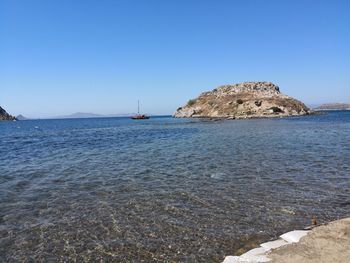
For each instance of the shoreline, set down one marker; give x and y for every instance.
(328, 242)
(251, 117)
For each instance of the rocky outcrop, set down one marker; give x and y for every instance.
(4, 116)
(241, 101)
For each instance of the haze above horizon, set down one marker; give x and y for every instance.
(61, 57)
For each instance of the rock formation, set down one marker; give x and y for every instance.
(4, 116)
(241, 101)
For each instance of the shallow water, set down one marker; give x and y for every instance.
(165, 189)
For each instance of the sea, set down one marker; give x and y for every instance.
(166, 189)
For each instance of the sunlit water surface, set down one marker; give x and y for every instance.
(165, 189)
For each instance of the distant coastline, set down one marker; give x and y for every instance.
(333, 106)
(93, 117)
(82, 115)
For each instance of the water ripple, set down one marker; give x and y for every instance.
(166, 189)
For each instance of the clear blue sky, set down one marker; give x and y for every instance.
(63, 56)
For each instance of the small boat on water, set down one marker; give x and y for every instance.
(139, 116)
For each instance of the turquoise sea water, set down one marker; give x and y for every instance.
(164, 189)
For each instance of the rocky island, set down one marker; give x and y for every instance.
(242, 101)
(4, 116)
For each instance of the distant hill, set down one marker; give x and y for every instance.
(334, 106)
(4, 116)
(79, 115)
(21, 118)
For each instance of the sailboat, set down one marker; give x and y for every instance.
(139, 116)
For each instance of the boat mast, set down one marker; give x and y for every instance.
(138, 107)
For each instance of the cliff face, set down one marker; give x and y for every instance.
(241, 101)
(4, 116)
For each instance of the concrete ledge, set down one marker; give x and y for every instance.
(260, 254)
(274, 244)
(235, 259)
(294, 236)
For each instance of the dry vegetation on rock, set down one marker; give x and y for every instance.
(244, 100)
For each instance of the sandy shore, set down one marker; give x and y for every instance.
(323, 244)
(327, 243)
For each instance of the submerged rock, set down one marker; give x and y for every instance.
(242, 101)
(4, 116)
